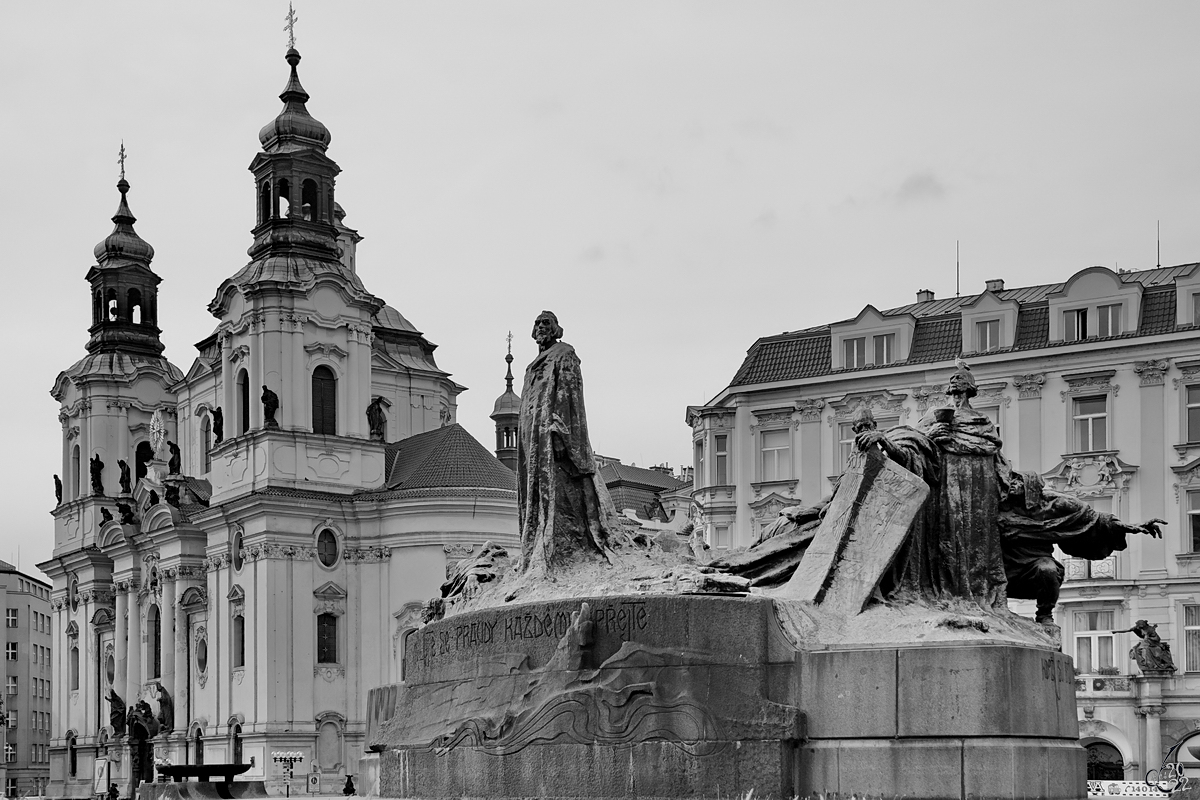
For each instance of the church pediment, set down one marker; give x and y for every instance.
(330, 591)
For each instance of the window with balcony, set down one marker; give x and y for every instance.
(885, 348)
(776, 456)
(1191, 638)
(1093, 641)
(854, 352)
(721, 460)
(987, 336)
(1075, 325)
(1108, 320)
(1091, 424)
(1192, 413)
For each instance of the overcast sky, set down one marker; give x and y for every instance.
(674, 179)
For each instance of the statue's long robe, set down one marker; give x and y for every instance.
(563, 503)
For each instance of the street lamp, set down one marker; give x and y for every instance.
(287, 759)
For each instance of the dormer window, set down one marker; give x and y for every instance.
(987, 336)
(1108, 321)
(1196, 308)
(854, 352)
(1075, 325)
(885, 348)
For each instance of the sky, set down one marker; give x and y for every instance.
(673, 179)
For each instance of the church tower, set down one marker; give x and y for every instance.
(507, 413)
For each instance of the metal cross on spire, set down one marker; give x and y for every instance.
(121, 159)
(510, 343)
(291, 27)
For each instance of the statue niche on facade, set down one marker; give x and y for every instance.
(561, 499)
(1151, 653)
(377, 420)
(126, 486)
(96, 468)
(270, 404)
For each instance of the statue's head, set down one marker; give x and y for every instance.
(863, 420)
(962, 381)
(546, 330)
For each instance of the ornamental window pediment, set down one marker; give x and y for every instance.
(330, 599)
(871, 339)
(701, 418)
(1094, 303)
(882, 404)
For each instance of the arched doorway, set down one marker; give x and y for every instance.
(1104, 762)
(141, 761)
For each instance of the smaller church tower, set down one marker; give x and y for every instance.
(507, 414)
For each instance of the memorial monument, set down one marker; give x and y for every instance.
(861, 647)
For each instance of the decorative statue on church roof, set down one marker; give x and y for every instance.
(377, 420)
(563, 504)
(116, 712)
(58, 490)
(1151, 653)
(166, 708)
(126, 513)
(270, 403)
(126, 487)
(105, 515)
(96, 467)
(175, 462)
(218, 428)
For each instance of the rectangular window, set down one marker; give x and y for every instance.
(1093, 641)
(239, 641)
(700, 482)
(10, 784)
(854, 352)
(1196, 308)
(1193, 520)
(721, 538)
(1075, 325)
(720, 460)
(1091, 424)
(1191, 638)
(10, 618)
(845, 444)
(11, 685)
(1108, 322)
(776, 456)
(12, 718)
(10, 651)
(992, 413)
(885, 348)
(1193, 413)
(987, 336)
(326, 639)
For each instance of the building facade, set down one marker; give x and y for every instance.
(241, 548)
(1093, 382)
(28, 686)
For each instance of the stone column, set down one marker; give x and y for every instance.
(228, 389)
(1149, 707)
(181, 667)
(87, 665)
(166, 624)
(121, 646)
(133, 679)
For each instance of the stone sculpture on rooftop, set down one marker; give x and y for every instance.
(270, 404)
(95, 469)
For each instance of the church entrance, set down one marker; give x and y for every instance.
(1104, 763)
(140, 761)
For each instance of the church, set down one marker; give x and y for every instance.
(240, 548)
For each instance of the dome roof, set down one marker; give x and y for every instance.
(123, 244)
(294, 127)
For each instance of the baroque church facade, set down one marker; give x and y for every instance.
(240, 549)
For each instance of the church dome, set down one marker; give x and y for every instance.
(510, 401)
(123, 243)
(294, 127)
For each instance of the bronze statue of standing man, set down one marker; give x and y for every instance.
(563, 503)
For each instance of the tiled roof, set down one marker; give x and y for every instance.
(936, 340)
(611, 473)
(937, 337)
(447, 456)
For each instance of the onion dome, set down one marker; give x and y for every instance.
(123, 244)
(510, 401)
(294, 127)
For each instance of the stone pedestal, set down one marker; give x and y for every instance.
(704, 697)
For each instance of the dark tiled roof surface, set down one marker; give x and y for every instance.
(448, 456)
(612, 473)
(936, 340)
(806, 353)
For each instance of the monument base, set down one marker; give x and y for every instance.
(706, 696)
(201, 790)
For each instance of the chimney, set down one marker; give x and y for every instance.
(995, 285)
(924, 295)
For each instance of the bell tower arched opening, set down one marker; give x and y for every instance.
(243, 385)
(308, 200)
(264, 202)
(135, 307)
(283, 199)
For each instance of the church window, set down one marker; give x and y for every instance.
(74, 602)
(243, 385)
(235, 735)
(326, 639)
(142, 456)
(110, 303)
(72, 756)
(308, 199)
(73, 667)
(202, 656)
(75, 471)
(327, 548)
(198, 740)
(264, 203)
(206, 442)
(110, 668)
(154, 629)
(237, 550)
(324, 401)
(283, 198)
(135, 306)
(239, 642)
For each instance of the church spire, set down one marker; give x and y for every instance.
(507, 415)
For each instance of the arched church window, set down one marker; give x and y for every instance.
(324, 401)
(198, 739)
(135, 307)
(327, 548)
(308, 199)
(283, 198)
(206, 441)
(110, 305)
(72, 757)
(264, 203)
(142, 456)
(154, 628)
(75, 471)
(235, 735)
(243, 383)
